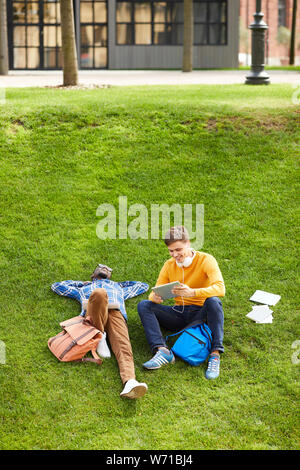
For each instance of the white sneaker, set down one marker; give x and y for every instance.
(102, 348)
(134, 389)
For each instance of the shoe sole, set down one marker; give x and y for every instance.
(136, 392)
(151, 368)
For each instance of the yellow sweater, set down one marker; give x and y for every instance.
(203, 275)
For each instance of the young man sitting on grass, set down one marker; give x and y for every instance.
(197, 299)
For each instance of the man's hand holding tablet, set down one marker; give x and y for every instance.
(173, 289)
(156, 299)
(183, 291)
(164, 292)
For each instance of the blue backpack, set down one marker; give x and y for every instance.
(193, 344)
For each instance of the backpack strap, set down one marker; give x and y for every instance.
(190, 325)
(95, 358)
(74, 342)
(208, 334)
(174, 334)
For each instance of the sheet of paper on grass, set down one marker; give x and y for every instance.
(261, 314)
(265, 298)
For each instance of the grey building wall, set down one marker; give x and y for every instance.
(170, 57)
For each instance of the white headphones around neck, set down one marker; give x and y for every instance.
(187, 261)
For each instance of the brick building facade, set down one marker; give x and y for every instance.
(278, 16)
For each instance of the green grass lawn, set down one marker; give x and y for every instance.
(289, 68)
(234, 149)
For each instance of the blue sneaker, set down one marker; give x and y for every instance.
(213, 367)
(160, 359)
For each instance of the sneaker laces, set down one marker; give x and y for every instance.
(213, 363)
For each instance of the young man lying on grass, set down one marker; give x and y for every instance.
(197, 299)
(103, 300)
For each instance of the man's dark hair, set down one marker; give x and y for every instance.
(100, 272)
(177, 233)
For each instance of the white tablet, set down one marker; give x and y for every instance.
(165, 290)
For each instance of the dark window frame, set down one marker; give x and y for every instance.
(282, 13)
(41, 24)
(94, 24)
(207, 23)
(56, 24)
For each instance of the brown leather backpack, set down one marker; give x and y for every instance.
(78, 337)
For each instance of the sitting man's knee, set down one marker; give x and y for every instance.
(213, 302)
(142, 305)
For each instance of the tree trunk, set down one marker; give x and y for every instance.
(3, 39)
(293, 34)
(188, 36)
(70, 68)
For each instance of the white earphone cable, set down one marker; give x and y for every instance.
(173, 308)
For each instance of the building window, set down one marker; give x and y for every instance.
(155, 22)
(36, 34)
(281, 13)
(26, 34)
(52, 55)
(93, 34)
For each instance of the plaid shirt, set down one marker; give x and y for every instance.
(116, 291)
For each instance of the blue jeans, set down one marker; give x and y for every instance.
(154, 316)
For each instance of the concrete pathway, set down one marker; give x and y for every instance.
(141, 77)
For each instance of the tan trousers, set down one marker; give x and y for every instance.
(113, 322)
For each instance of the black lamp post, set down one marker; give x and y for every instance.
(258, 75)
